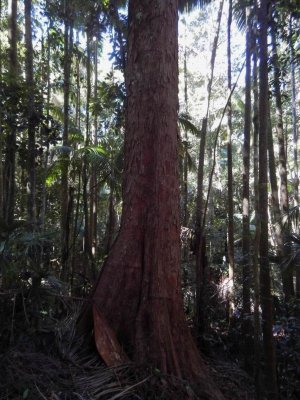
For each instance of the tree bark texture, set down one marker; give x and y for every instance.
(265, 282)
(139, 287)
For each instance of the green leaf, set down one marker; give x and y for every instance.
(187, 125)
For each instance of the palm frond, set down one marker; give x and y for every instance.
(292, 219)
(191, 163)
(189, 5)
(239, 13)
(187, 125)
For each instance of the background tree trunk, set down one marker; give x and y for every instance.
(230, 226)
(31, 204)
(257, 330)
(247, 350)
(65, 200)
(1, 134)
(93, 181)
(265, 283)
(200, 216)
(287, 274)
(10, 154)
(294, 116)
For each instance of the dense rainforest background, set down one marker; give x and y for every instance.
(149, 199)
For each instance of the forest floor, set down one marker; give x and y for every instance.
(44, 359)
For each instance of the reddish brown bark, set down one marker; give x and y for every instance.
(138, 290)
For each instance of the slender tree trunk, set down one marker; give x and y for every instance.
(10, 154)
(31, 203)
(85, 170)
(199, 223)
(230, 226)
(287, 275)
(274, 190)
(93, 182)
(65, 220)
(247, 328)
(256, 283)
(1, 133)
(185, 159)
(138, 290)
(46, 154)
(294, 115)
(265, 282)
(284, 200)
(295, 140)
(75, 234)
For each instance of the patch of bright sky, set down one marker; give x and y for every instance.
(196, 35)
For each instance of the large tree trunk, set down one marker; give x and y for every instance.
(139, 290)
(265, 282)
